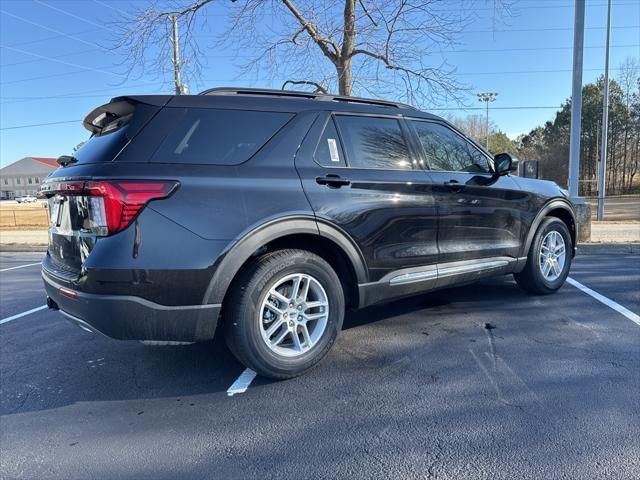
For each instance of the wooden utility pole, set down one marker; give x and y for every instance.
(176, 56)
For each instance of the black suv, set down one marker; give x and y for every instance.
(269, 213)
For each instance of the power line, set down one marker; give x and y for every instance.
(41, 77)
(72, 37)
(82, 94)
(72, 15)
(548, 29)
(69, 64)
(39, 124)
(105, 5)
(71, 54)
(53, 37)
(529, 107)
(527, 49)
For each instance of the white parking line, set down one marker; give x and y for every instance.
(20, 266)
(608, 302)
(242, 382)
(15, 317)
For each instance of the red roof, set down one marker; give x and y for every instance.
(47, 161)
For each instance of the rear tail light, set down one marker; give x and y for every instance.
(112, 205)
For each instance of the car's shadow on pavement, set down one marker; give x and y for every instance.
(65, 365)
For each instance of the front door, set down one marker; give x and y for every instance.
(479, 213)
(361, 174)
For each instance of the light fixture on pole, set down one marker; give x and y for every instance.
(487, 97)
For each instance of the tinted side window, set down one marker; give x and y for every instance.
(374, 142)
(217, 137)
(329, 151)
(446, 150)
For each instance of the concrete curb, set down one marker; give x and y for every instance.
(19, 247)
(602, 248)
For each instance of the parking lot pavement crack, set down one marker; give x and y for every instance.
(505, 382)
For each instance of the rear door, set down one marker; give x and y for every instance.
(480, 215)
(362, 174)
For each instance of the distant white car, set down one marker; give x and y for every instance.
(26, 199)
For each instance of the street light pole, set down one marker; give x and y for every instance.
(487, 97)
(602, 168)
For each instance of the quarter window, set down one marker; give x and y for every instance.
(216, 137)
(446, 150)
(329, 152)
(374, 143)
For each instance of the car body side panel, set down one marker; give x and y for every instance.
(222, 202)
(480, 216)
(389, 214)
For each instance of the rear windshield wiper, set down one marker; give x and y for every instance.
(65, 160)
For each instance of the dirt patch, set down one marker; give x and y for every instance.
(19, 217)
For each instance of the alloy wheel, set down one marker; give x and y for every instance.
(552, 256)
(293, 315)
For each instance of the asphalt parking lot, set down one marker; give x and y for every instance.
(482, 381)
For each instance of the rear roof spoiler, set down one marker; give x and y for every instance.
(119, 108)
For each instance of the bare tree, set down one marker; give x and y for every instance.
(146, 37)
(377, 47)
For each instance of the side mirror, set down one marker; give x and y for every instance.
(503, 164)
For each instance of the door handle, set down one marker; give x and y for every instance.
(333, 181)
(454, 185)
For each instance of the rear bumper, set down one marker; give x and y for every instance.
(133, 318)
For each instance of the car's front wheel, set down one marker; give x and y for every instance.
(284, 313)
(549, 258)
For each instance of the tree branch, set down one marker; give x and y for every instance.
(322, 42)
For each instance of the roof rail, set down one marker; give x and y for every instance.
(308, 95)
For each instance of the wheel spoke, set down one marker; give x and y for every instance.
(278, 340)
(295, 288)
(305, 334)
(274, 327)
(314, 316)
(296, 341)
(317, 304)
(273, 308)
(547, 268)
(278, 296)
(556, 268)
(305, 289)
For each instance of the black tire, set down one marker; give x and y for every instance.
(243, 321)
(531, 278)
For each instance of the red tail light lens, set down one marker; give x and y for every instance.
(112, 205)
(123, 200)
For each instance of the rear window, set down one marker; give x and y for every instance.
(121, 124)
(216, 137)
(102, 148)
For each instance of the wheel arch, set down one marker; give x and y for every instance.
(557, 208)
(303, 232)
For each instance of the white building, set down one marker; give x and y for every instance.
(25, 176)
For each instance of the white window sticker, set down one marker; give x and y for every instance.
(333, 149)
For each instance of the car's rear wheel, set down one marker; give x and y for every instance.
(284, 313)
(549, 258)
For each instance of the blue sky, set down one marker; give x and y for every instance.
(528, 62)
